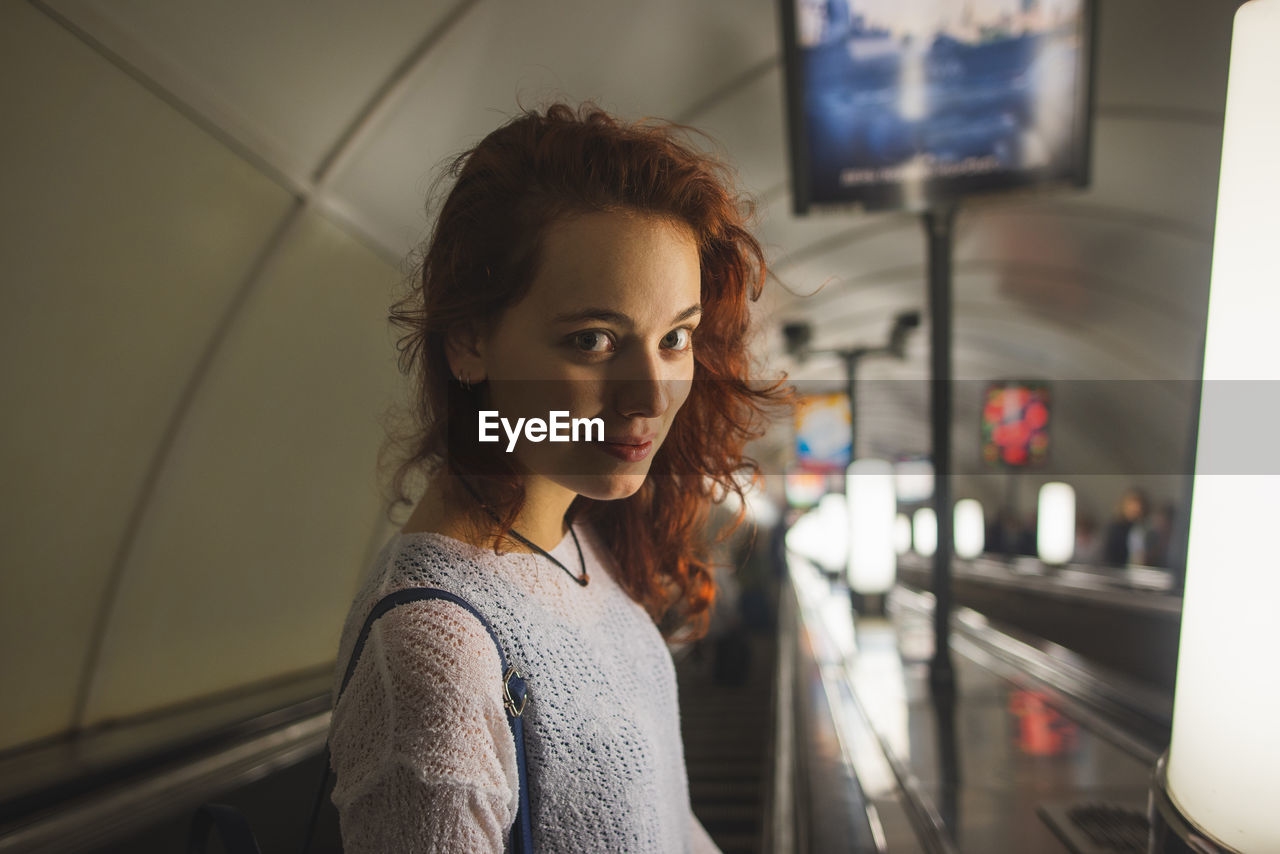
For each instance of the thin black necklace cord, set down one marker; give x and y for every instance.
(582, 581)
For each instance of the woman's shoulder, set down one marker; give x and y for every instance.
(422, 653)
(435, 640)
(407, 561)
(425, 695)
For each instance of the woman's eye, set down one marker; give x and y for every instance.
(592, 342)
(679, 339)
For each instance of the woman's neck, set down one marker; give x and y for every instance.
(542, 519)
(448, 508)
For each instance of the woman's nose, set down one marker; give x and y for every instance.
(646, 387)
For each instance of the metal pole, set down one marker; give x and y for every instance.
(938, 229)
(851, 359)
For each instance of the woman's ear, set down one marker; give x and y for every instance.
(464, 345)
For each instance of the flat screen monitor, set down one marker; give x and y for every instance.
(908, 104)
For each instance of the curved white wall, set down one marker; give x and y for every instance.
(128, 231)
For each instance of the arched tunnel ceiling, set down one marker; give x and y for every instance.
(275, 158)
(1108, 283)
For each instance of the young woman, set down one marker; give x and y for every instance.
(602, 270)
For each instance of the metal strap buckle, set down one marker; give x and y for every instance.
(507, 699)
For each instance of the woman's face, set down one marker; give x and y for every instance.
(605, 332)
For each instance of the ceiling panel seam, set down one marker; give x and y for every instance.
(90, 675)
(386, 96)
(1026, 271)
(307, 195)
(1152, 222)
(1141, 301)
(870, 227)
(87, 679)
(1107, 345)
(1069, 207)
(1114, 351)
(308, 188)
(769, 195)
(742, 81)
(170, 96)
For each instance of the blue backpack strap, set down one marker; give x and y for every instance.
(514, 696)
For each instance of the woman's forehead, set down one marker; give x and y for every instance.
(608, 236)
(617, 256)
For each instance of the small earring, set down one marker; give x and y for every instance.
(465, 379)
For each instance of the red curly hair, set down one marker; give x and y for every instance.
(482, 257)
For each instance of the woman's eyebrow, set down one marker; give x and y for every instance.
(696, 308)
(610, 316)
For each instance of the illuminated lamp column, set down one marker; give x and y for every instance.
(873, 503)
(971, 532)
(913, 480)
(821, 535)
(924, 531)
(832, 518)
(832, 528)
(1056, 523)
(1218, 788)
(902, 534)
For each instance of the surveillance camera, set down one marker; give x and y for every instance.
(902, 324)
(907, 320)
(797, 337)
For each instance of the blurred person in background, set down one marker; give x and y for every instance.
(1088, 549)
(1026, 537)
(1158, 535)
(1126, 534)
(1002, 534)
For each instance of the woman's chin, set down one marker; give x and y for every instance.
(608, 487)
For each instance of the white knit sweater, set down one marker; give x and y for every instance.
(424, 757)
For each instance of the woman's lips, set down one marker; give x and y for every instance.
(625, 452)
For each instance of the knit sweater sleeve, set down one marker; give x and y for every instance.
(420, 744)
